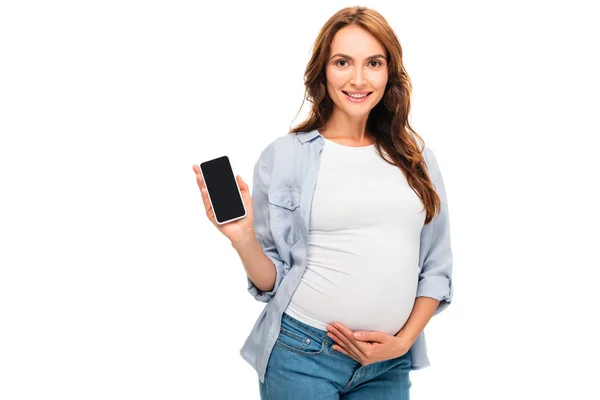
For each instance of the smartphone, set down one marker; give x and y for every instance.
(223, 191)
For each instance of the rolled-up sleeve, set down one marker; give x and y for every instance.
(262, 229)
(435, 277)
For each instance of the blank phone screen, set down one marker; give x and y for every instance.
(222, 189)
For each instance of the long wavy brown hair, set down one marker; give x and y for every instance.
(388, 120)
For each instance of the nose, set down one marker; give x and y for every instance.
(358, 78)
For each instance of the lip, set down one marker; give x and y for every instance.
(353, 100)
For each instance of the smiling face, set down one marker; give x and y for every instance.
(356, 71)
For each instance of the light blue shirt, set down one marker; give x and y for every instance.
(284, 181)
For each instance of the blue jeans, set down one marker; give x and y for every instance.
(303, 365)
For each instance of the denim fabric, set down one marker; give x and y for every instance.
(284, 181)
(303, 365)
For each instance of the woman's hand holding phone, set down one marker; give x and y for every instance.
(236, 231)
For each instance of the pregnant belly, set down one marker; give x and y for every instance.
(373, 303)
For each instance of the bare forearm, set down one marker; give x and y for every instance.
(259, 268)
(422, 312)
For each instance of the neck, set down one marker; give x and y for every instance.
(349, 128)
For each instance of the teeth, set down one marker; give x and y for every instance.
(357, 96)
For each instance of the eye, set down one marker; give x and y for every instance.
(339, 61)
(378, 63)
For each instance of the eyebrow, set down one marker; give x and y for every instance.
(350, 58)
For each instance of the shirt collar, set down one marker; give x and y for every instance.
(308, 136)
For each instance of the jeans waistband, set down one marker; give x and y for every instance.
(310, 330)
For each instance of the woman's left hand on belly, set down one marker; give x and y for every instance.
(369, 347)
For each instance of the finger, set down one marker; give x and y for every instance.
(370, 336)
(340, 343)
(243, 187)
(211, 216)
(205, 199)
(348, 336)
(207, 205)
(196, 169)
(347, 343)
(338, 348)
(241, 183)
(204, 194)
(200, 180)
(245, 192)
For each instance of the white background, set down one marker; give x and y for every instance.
(114, 284)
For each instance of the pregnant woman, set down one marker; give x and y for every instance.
(347, 236)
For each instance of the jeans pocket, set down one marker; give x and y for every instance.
(293, 338)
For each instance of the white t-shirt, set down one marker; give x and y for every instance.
(363, 249)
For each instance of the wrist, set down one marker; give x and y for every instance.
(244, 242)
(402, 346)
(405, 339)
